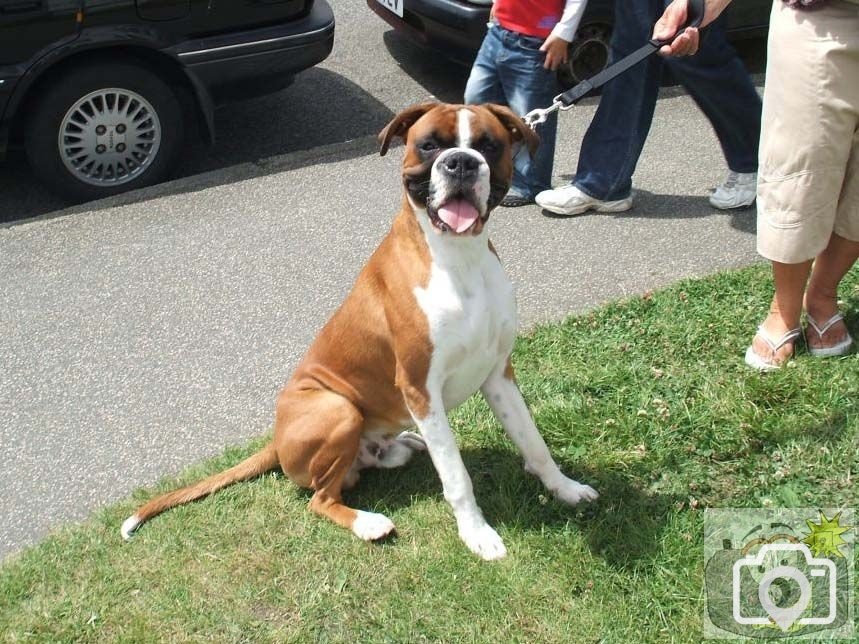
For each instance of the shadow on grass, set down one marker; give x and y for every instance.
(851, 313)
(623, 527)
(833, 429)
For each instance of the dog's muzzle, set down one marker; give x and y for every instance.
(459, 168)
(459, 189)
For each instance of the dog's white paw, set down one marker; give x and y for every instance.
(484, 542)
(370, 526)
(572, 492)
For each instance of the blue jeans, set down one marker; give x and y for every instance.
(509, 71)
(715, 78)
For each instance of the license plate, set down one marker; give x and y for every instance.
(393, 5)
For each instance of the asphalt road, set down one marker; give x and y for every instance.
(143, 333)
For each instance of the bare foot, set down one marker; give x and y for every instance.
(776, 329)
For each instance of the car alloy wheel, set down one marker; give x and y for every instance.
(109, 137)
(105, 126)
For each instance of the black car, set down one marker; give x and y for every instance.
(455, 28)
(102, 93)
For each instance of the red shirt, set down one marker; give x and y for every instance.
(529, 17)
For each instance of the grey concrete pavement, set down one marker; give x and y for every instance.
(143, 333)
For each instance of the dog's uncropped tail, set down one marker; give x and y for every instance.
(260, 463)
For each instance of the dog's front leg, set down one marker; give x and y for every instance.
(503, 395)
(477, 534)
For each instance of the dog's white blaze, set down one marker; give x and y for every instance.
(463, 127)
(442, 189)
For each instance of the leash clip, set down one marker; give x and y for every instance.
(535, 117)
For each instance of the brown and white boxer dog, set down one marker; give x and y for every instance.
(431, 319)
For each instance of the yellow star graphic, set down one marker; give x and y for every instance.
(825, 537)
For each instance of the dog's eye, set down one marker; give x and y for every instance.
(486, 146)
(428, 146)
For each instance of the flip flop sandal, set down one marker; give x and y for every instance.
(757, 362)
(839, 349)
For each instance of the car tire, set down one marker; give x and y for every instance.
(588, 54)
(102, 129)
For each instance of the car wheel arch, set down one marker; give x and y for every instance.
(194, 95)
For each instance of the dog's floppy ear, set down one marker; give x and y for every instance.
(401, 124)
(516, 126)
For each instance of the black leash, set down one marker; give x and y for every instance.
(566, 100)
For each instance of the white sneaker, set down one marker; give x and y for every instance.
(738, 191)
(569, 200)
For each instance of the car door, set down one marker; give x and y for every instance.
(158, 10)
(28, 27)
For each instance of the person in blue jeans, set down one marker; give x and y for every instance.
(526, 41)
(717, 81)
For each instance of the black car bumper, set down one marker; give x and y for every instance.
(451, 26)
(266, 57)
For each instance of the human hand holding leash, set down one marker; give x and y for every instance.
(686, 42)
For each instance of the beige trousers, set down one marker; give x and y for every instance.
(808, 176)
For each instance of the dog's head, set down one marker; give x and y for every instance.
(459, 160)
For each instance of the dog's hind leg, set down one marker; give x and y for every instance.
(318, 435)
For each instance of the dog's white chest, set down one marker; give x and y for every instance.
(471, 311)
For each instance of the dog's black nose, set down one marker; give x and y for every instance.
(461, 165)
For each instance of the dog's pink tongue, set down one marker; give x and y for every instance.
(458, 214)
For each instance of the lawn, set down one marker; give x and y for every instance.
(646, 399)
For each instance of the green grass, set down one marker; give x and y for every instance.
(646, 399)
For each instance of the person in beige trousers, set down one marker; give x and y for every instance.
(808, 175)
